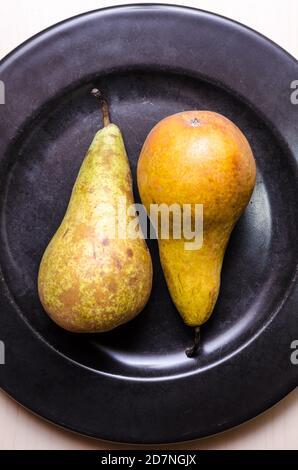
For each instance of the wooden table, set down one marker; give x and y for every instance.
(275, 429)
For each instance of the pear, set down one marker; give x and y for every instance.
(88, 281)
(197, 157)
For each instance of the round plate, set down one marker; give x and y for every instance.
(135, 384)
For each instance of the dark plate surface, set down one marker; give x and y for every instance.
(136, 384)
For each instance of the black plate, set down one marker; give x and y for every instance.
(136, 384)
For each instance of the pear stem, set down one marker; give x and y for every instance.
(192, 351)
(103, 105)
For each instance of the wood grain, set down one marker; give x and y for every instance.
(275, 429)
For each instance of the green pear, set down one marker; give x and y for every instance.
(89, 281)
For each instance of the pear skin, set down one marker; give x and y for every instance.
(197, 157)
(89, 283)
